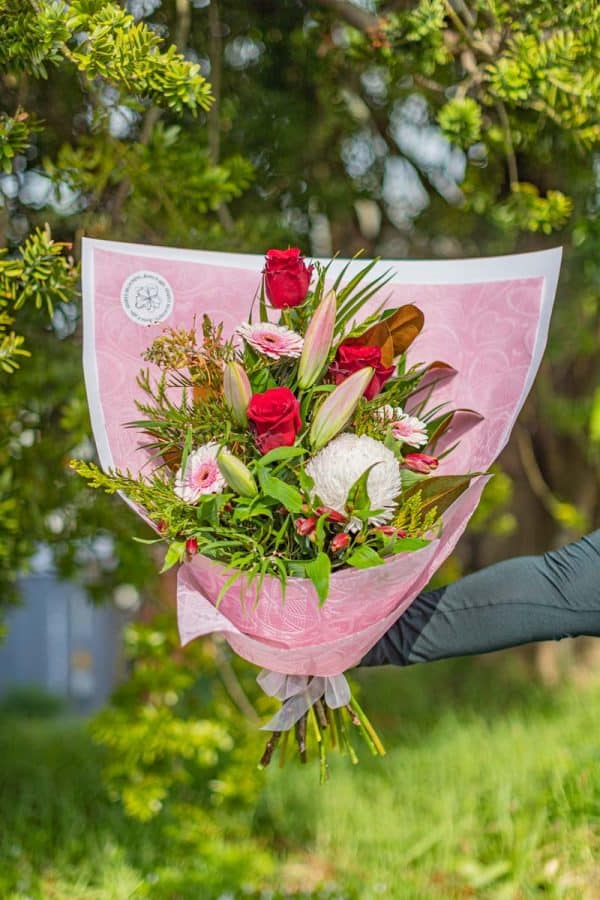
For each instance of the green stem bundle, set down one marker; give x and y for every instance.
(324, 728)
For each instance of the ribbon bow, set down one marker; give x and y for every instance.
(298, 693)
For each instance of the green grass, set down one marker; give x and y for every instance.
(490, 789)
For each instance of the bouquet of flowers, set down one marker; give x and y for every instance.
(298, 466)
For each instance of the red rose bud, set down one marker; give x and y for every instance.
(274, 418)
(420, 462)
(305, 526)
(332, 514)
(339, 542)
(287, 277)
(191, 546)
(352, 356)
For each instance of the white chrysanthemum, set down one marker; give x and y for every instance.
(202, 474)
(405, 428)
(338, 466)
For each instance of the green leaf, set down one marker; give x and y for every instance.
(174, 555)
(286, 494)
(406, 545)
(439, 492)
(281, 453)
(363, 557)
(319, 572)
(358, 501)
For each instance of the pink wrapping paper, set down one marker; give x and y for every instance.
(487, 318)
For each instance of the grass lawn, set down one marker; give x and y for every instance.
(490, 789)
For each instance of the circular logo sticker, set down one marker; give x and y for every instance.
(147, 298)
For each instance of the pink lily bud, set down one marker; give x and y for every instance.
(237, 391)
(305, 526)
(338, 406)
(339, 542)
(317, 342)
(420, 462)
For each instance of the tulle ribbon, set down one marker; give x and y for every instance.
(298, 693)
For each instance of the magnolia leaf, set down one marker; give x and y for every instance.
(403, 325)
(461, 421)
(434, 374)
(440, 492)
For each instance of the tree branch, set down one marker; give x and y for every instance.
(214, 123)
(182, 32)
(353, 15)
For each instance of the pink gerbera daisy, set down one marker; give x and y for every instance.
(271, 340)
(408, 429)
(201, 476)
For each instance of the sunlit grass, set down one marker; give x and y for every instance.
(490, 789)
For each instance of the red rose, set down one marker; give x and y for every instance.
(287, 277)
(421, 462)
(274, 418)
(352, 356)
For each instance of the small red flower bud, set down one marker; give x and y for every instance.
(420, 462)
(191, 546)
(305, 526)
(401, 534)
(388, 530)
(339, 542)
(161, 526)
(332, 514)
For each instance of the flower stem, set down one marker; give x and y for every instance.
(314, 724)
(301, 738)
(346, 740)
(356, 707)
(283, 748)
(270, 747)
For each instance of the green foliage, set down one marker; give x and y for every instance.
(527, 209)
(460, 120)
(15, 136)
(514, 814)
(103, 41)
(172, 732)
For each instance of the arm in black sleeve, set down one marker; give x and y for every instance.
(530, 598)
